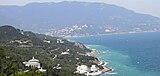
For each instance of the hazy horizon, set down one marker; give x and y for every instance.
(140, 6)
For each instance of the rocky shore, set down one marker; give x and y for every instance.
(101, 63)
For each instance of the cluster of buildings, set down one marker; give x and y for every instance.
(84, 69)
(23, 42)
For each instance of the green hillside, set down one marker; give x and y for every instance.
(17, 46)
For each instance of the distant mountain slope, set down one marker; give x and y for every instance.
(60, 18)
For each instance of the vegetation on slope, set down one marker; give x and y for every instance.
(17, 46)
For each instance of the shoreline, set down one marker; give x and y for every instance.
(119, 61)
(121, 33)
(102, 63)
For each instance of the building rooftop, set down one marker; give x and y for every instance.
(33, 60)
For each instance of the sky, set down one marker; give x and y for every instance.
(151, 7)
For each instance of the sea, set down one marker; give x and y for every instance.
(132, 54)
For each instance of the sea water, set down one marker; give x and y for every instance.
(136, 54)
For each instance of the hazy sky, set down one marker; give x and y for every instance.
(143, 6)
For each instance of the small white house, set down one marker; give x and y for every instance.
(47, 41)
(60, 41)
(65, 53)
(42, 70)
(68, 50)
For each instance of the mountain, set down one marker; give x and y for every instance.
(78, 18)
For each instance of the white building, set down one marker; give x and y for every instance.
(42, 70)
(47, 41)
(65, 53)
(68, 50)
(82, 69)
(33, 63)
(94, 68)
(60, 41)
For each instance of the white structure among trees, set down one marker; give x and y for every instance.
(89, 71)
(34, 63)
(82, 69)
(94, 68)
(60, 41)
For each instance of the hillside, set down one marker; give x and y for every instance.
(17, 46)
(78, 18)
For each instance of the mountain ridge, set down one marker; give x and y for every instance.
(54, 17)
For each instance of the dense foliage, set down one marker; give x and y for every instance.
(18, 47)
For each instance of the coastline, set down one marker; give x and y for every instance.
(121, 33)
(106, 69)
(121, 62)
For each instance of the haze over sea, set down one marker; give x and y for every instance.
(136, 54)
